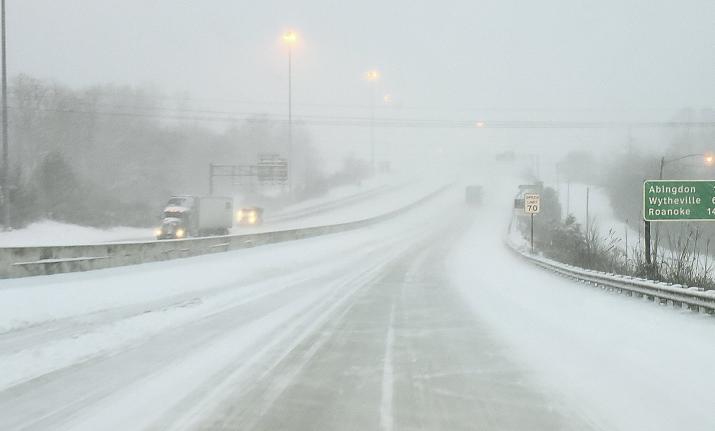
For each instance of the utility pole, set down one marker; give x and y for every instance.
(625, 229)
(587, 220)
(290, 120)
(5, 161)
(211, 179)
(558, 190)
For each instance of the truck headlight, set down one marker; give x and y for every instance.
(239, 215)
(157, 231)
(180, 233)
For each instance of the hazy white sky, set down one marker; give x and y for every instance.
(450, 59)
(453, 54)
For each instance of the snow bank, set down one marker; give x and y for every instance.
(347, 191)
(386, 198)
(600, 211)
(48, 232)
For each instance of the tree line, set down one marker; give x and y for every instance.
(110, 155)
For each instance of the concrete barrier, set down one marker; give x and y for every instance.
(30, 261)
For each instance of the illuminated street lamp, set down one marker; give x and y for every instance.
(707, 158)
(372, 77)
(290, 38)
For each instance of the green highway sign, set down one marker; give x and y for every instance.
(667, 200)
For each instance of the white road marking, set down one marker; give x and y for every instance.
(386, 418)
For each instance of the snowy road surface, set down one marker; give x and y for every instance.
(422, 322)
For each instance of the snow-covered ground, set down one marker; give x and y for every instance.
(49, 232)
(138, 326)
(600, 213)
(382, 201)
(344, 203)
(349, 190)
(625, 364)
(423, 321)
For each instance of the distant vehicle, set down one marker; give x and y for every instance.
(195, 216)
(249, 216)
(473, 195)
(506, 156)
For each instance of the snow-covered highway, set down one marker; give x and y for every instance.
(424, 321)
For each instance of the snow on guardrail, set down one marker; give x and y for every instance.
(44, 260)
(665, 293)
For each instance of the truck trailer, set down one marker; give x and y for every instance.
(186, 216)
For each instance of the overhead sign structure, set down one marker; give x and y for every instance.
(668, 200)
(532, 203)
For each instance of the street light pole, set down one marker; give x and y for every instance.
(290, 39)
(5, 162)
(372, 77)
(290, 120)
(372, 130)
(657, 227)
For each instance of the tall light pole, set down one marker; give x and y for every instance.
(290, 38)
(372, 77)
(5, 163)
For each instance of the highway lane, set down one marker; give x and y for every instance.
(364, 204)
(405, 354)
(373, 338)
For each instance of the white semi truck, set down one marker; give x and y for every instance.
(186, 216)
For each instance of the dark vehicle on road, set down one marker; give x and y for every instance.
(473, 195)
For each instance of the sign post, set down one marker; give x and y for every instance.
(532, 205)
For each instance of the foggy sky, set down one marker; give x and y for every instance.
(640, 59)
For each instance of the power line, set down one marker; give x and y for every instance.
(396, 107)
(357, 121)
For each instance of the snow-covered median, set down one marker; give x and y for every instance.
(48, 232)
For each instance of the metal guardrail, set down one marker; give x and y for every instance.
(693, 298)
(30, 261)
